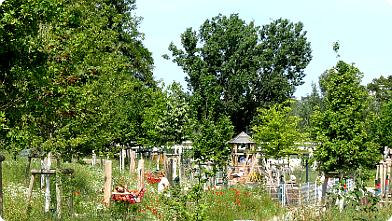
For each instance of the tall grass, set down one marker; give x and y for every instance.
(86, 190)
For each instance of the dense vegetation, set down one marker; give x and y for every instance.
(76, 77)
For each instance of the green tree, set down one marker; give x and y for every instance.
(277, 133)
(381, 88)
(341, 131)
(212, 131)
(304, 108)
(383, 127)
(81, 61)
(252, 66)
(23, 74)
(175, 124)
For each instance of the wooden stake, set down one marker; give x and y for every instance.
(27, 168)
(47, 178)
(58, 191)
(2, 158)
(133, 164)
(169, 171)
(30, 188)
(140, 172)
(70, 195)
(108, 182)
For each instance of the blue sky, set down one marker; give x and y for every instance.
(363, 28)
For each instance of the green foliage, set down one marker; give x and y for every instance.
(383, 127)
(210, 141)
(71, 64)
(380, 88)
(175, 123)
(247, 66)
(304, 108)
(341, 131)
(277, 132)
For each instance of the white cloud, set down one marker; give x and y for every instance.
(390, 1)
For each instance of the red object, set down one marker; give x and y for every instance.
(151, 178)
(128, 198)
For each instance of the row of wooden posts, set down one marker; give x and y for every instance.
(383, 179)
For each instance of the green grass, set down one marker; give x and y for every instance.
(222, 203)
(86, 189)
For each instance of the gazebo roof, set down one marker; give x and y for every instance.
(241, 138)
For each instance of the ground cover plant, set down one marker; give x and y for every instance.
(219, 203)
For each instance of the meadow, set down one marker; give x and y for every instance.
(237, 202)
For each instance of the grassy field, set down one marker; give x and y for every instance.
(216, 203)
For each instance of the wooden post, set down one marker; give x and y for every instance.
(388, 185)
(42, 176)
(58, 191)
(30, 188)
(123, 155)
(94, 157)
(376, 181)
(192, 174)
(235, 159)
(174, 167)
(382, 180)
(268, 171)
(169, 170)
(2, 158)
(70, 194)
(389, 176)
(27, 168)
(133, 164)
(158, 157)
(101, 161)
(140, 172)
(107, 194)
(179, 161)
(164, 160)
(120, 159)
(48, 172)
(151, 159)
(47, 178)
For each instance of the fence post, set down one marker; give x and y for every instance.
(133, 164)
(169, 170)
(94, 156)
(108, 181)
(2, 158)
(140, 172)
(47, 178)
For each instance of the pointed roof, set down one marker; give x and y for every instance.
(241, 138)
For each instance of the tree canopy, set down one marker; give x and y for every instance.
(251, 67)
(341, 131)
(277, 133)
(74, 65)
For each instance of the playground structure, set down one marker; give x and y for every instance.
(383, 176)
(244, 157)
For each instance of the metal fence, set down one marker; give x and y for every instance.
(309, 193)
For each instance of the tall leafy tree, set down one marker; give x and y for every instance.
(277, 134)
(383, 128)
(175, 124)
(251, 66)
(212, 131)
(82, 61)
(304, 108)
(341, 131)
(23, 74)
